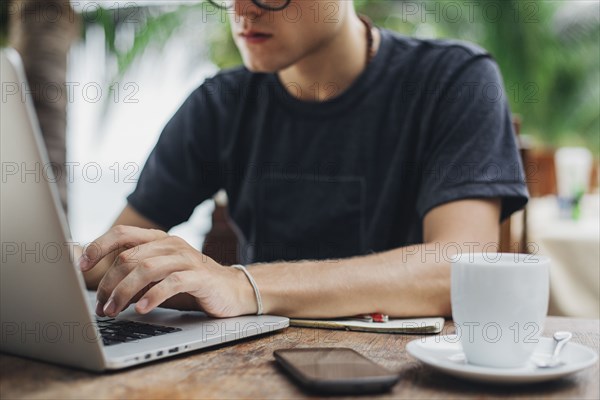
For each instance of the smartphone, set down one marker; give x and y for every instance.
(335, 370)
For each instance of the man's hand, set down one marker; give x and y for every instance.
(151, 267)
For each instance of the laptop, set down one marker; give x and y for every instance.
(46, 313)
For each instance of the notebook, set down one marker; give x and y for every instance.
(394, 325)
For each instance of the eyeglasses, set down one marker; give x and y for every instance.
(271, 5)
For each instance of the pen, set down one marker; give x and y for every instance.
(378, 317)
(373, 317)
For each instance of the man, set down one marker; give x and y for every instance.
(356, 161)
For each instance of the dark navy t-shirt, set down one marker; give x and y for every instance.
(425, 124)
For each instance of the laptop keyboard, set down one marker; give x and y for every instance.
(119, 331)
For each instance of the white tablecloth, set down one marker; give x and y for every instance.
(574, 247)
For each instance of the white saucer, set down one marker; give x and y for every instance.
(445, 354)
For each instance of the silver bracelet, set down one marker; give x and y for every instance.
(254, 286)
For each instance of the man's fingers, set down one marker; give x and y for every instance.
(176, 282)
(129, 260)
(144, 274)
(155, 248)
(109, 281)
(126, 261)
(118, 237)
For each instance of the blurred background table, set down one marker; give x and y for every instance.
(574, 247)
(247, 369)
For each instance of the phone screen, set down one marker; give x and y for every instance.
(332, 364)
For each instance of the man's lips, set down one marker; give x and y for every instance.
(255, 36)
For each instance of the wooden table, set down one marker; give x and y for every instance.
(247, 369)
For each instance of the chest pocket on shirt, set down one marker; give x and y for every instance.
(304, 218)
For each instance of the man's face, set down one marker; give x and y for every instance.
(273, 40)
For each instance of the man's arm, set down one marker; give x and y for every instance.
(408, 281)
(129, 217)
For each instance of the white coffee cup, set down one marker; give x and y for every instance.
(499, 304)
